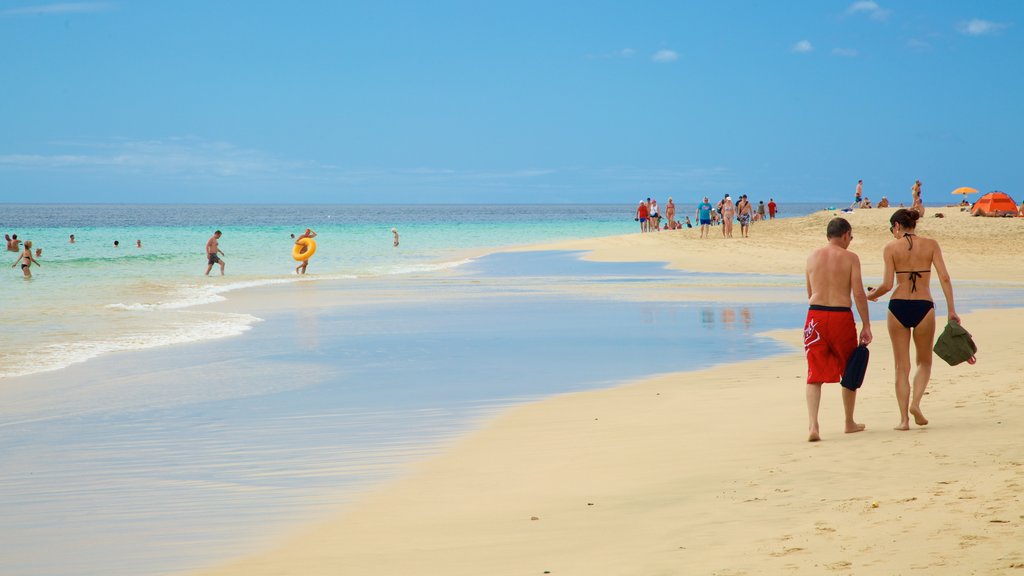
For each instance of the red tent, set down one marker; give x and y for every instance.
(995, 204)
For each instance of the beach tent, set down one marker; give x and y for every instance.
(994, 204)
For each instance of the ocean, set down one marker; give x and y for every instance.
(90, 298)
(194, 447)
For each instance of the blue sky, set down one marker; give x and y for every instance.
(519, 102)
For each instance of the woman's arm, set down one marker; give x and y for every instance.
(888, 275)
(945, 282)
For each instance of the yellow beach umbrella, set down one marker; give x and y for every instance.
(965, 190)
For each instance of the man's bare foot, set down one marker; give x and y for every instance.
(919, 418)
(851, 428)
(904, 426)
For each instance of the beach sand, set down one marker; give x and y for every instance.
(709, 472)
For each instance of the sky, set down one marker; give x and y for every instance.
(569, 102)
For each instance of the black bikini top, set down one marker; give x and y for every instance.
(914, 274)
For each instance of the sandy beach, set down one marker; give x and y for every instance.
(708, 472)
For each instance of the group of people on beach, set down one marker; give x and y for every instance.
(862, 201)
(724, 213)
(833, 274)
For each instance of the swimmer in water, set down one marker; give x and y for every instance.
(26, 260)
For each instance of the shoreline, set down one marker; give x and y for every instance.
(663, 474)
(656, 476)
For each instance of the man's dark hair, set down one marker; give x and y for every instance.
(837, 227)
(217, 232)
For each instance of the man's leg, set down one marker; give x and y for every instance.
(813, 402)
(849, 400)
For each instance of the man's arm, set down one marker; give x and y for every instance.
(860, 300)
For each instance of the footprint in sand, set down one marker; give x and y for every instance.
(841, 565)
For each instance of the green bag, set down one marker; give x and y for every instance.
(955, 345)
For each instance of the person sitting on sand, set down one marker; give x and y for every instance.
(26, 260)
(883, 203)
(830, 334)
(909, 258)
(866, 203)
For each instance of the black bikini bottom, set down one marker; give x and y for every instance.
(910, 312)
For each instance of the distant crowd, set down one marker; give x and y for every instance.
(723, 214)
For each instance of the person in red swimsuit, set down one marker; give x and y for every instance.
(830, 334)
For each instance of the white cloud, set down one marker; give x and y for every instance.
(870, 8)
(65, 8)
(847, 52)
(186, 158)
(918, 44)
(979, 27)
(802, 46)
(665, 56)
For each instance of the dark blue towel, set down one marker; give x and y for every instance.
(856, 367)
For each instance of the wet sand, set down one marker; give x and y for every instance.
(709, 472)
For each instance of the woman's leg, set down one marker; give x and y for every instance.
(900, 337)
(924, 339)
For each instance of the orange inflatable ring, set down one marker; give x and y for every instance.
(304, 248)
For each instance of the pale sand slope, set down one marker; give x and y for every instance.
(709, 473)
(974, 248)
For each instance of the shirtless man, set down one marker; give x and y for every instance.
(830, 334)
(745, 212)
(301, 268)
(212, 250)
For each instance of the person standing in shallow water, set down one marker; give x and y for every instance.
(908, 258)
(830, 334)
(212, 251)
(26, 260)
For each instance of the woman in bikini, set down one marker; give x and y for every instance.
(26, 260)
(909, 259)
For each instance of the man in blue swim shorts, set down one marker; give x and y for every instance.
(704, 217)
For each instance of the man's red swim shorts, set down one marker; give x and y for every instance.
(830, 336)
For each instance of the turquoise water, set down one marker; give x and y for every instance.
(90, 298)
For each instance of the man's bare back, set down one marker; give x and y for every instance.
(830, 276)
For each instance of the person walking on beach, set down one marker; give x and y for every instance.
(641, 216)
(917, 204)
(859, 195)
(908, 258)
(301, 268)
(26, 260)
(830, 333)
(704, 217)
(745, 212)
(728, 213)
(395, 233)
(654, 221)
(212, 251)
(772, 208)
(670, 212)
(760, 210)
